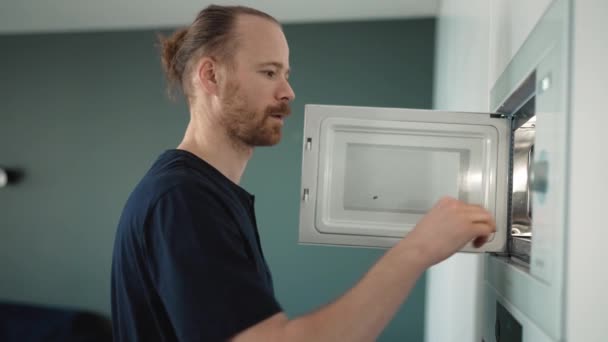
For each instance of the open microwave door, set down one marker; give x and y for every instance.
(370, 174)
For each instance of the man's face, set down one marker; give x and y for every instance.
(256, 94)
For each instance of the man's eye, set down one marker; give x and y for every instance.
(269, 73)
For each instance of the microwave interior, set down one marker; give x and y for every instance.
(519, 109)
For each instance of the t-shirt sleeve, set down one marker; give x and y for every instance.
(207, 283)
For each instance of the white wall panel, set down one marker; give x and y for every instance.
(587, 275)
(455, 287)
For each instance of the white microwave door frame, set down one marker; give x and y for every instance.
(326, 214)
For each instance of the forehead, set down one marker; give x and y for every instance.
(260, 40)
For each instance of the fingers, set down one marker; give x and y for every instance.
(483, 232)
(480, 241)
(477, 222)
(483, 224)
(478, 214)
(447, 201)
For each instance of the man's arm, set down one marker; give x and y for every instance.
(364, 311)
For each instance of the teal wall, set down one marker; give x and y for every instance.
(85, 114)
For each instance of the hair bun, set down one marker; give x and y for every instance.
(169, 48)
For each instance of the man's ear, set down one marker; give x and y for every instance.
(207, 75)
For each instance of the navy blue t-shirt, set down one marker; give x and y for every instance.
(187, 263)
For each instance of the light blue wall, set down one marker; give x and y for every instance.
(85, 114)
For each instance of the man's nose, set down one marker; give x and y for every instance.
(286, 93)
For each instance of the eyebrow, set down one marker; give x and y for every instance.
(275, 64)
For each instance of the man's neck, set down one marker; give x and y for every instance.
(214, 146)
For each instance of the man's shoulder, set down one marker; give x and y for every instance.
(177, 187)
(168, 186)
(162, 183)
(177, 172)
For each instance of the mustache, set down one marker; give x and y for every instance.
(282, 108)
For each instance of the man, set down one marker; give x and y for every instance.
(188, 265)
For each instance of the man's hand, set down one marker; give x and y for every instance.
(448, 227)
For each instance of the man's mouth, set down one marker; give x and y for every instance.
(279, 111)
(277, 117)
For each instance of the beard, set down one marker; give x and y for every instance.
(246, 125)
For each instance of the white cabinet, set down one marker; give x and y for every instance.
(370, 174)
(562, 295)
(511, 22)
(537, 291)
